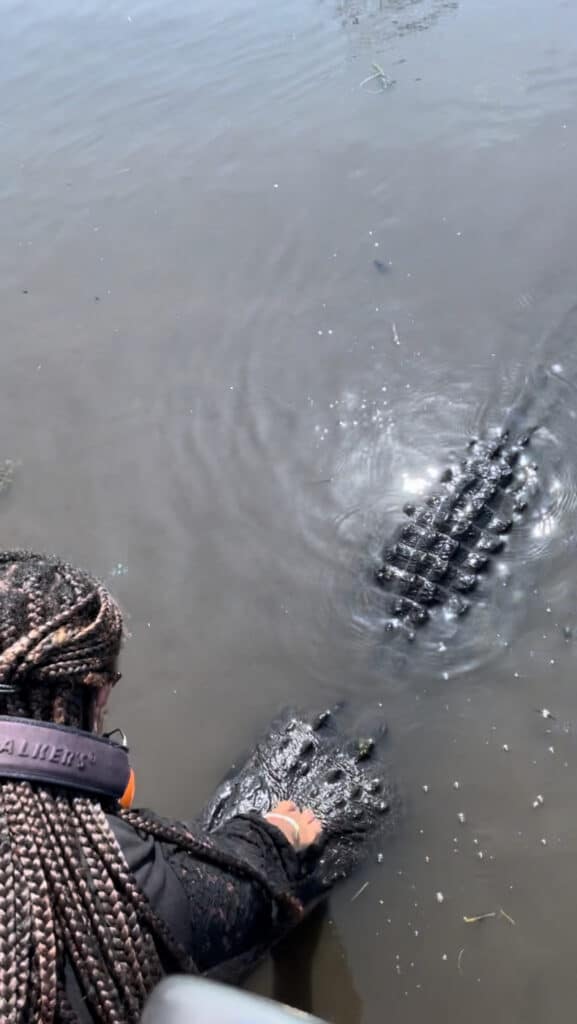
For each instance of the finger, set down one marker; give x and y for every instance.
(286, 807)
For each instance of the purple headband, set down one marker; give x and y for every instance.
(62, 756)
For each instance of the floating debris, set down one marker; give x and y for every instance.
(439, 897)
(456, 785)
(506, 748)
(360, 891)
(459, 959)
(545, 713)
(384, 80)
(479, 917)
(425, 788)
(6, 474)
(538, 801)
(503, 913)
(493, 913)
(461, 817)
(119, 570)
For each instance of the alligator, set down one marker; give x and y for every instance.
(436, 557)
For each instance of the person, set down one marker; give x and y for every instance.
(98, 901)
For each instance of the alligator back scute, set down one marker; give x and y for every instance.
(436, 558)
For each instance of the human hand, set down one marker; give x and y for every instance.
(301, 828)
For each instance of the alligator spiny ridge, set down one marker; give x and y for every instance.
(436, 558)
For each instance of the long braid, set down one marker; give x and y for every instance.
(66, 1014)
(118, 914)
(67, 897)
(84, 942)
(9, 984)
(126, 884)
(43, 935)
(114, 968)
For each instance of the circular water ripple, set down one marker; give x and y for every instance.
(315, 488)
(400, 456)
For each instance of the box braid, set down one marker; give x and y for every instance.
(66, 893)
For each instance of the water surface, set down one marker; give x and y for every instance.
(215, 398)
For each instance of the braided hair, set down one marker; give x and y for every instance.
(67, 897)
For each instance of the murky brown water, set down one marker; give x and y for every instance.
(205, 398)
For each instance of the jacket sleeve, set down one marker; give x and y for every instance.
(224, 919)
(234, 918)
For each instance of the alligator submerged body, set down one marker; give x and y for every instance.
(436, 558)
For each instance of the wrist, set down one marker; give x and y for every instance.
(286, 825)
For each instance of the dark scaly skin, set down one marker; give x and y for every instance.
(438, 556)
(309, 760)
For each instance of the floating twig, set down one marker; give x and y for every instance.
(459, 958)
(493, 913)
(507, 917)
(378, 75)
(360, 891)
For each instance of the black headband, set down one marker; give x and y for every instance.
(58, 754)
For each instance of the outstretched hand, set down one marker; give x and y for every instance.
(301, 828)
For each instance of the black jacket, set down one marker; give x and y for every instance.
(217, 917)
